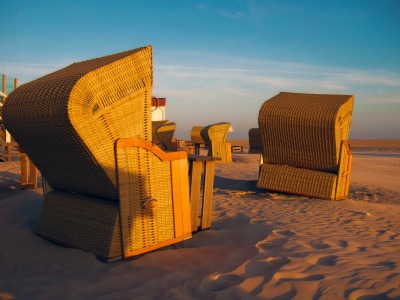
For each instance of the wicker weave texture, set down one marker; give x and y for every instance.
(76, 114)
(255, 142)
(297, 181)
(214, 136)
(143, 176)
(305, 130)
(88, 223)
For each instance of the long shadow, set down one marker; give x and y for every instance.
(236, 184)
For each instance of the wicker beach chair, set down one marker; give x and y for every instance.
(196, 139)
(305, 149)
(154, 126)
(107, 188)
(255, 142)
(195, 135)
(215, 137)
(165, 136)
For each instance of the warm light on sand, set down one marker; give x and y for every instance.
(262, 245)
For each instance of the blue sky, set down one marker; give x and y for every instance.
(219, 60)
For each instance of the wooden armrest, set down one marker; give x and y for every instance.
(166, 156)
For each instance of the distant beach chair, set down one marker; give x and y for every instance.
(214, 136)
(107, 188)
(154, 126)
(255, 142)
(305, 149)
(196, 138)
(164, 134)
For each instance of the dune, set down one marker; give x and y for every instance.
(262, 244)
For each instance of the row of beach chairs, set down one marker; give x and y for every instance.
(113, 182)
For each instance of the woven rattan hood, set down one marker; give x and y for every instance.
(75, 115)
(305, 130)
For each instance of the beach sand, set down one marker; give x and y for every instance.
(262, 245)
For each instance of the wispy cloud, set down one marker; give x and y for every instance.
(279, 76)
(26, 72)
(227, 13)
(231, 15)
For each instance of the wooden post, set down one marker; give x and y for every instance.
(4, 87)
(228, 151)
(29, 176)
(4, 84)
(195, 185)
(208, 194)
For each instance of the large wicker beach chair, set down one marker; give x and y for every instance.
(214, 136)
(108, 189)
(305, 149)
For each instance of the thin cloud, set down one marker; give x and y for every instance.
(230, 15)
(285, 70)
(282, 76)
(28, 71)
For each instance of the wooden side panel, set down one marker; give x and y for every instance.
(228, 151)
(180, 192)
(208, 194)
(195, 183)
(345, 162)
(24, 169)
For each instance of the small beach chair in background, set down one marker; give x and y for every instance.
(214, 136)
(154, 126)
(107, 188)
(255, 142)
(305, 144)
(164, 135)
(196, 139)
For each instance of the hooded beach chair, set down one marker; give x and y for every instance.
(196, 139)
(164, 135)
(214, 136)
(107, 188)
(255, 140)
(154, 126)
(304, 144)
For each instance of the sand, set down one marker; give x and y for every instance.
(262, 245)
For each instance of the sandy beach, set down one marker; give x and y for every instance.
(262, 245)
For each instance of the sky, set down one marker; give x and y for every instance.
(220, 60)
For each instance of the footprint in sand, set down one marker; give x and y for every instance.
(219, 282)
(388, 265)
(369, 294)
(260, 267)
(277, 239)
(327, 260)
(292, 276)
(284, 232)
(270, 243)
(322, 260)
(318, 245)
